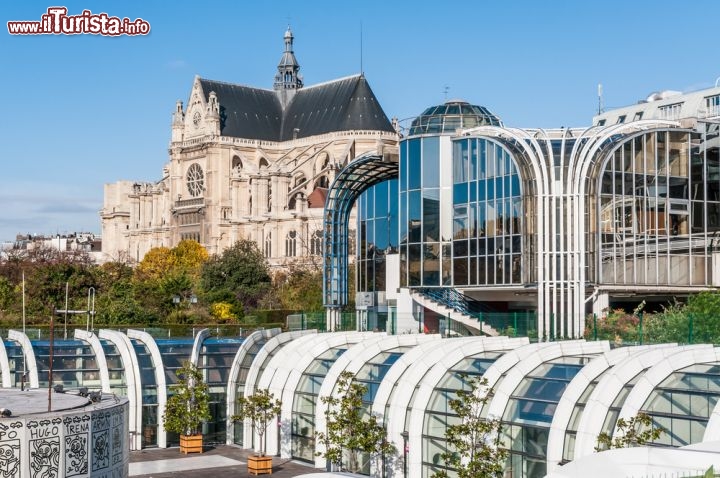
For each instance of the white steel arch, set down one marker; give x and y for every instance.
(134, 383)
(583, 158)
(160, 380)
(608, 388)
(266, 354)
(4, 365)
(520, 350)
(256, 337)
(659, 372)
(28, 356)
(528, 145)
(284, 371)
(259, 363)
(428, 359)
(505, 388)
(577, 386)
(94, 342)
(352, 361)
(197, 345)
(712, 430)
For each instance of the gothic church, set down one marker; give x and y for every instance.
(249, 163)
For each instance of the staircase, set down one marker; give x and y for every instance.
(458, 307)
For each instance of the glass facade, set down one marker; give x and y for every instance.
(682, 403)
(529, 413)
(371, 375)
(659, 205)
(425, 229)
(305, 402)
(439, 414)
(149, 393)
(487, 216)
(572, 427)
(215, 361)
(174, 352)
(426, 177)
(247, 361)
(377, 234)
(74, 364)
(16, 360)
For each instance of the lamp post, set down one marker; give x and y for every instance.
(405, 435)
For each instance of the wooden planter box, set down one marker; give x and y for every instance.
(191, 444)
(260, 465)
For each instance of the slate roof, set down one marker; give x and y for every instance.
(339, 105)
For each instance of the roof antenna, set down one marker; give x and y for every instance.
(600, 102)
(445, 91)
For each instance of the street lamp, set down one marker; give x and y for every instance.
(405, 435)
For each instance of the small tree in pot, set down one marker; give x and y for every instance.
(260, 408)
(188, 407)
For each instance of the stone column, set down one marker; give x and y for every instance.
(262, 196)
(255, 192)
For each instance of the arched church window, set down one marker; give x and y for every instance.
(237, 164)
(291, 244)
(268, 245)
(316, 243)
(292, 204)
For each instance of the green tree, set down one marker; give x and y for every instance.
(474, 444)
(8, 296)
(350, 427)
(300, 289)
(704, 311)
(166, 274)
(240, 275)
(260, 408)
(188, 406)
(635, 431)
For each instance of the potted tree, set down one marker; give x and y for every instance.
(187, 408)
(260, 408)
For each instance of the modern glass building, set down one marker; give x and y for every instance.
(553, 223)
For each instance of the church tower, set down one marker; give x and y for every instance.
(288, 78)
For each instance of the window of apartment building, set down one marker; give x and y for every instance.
(712, 104)
(670, 112)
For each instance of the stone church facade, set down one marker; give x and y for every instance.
(249, 163)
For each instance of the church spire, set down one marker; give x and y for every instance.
(288, 76)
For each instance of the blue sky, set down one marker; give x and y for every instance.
(81, 111)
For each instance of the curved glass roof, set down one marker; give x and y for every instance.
(450, 116)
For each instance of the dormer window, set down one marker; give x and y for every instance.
(670, 112)
(712, 104)
(621, 119)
